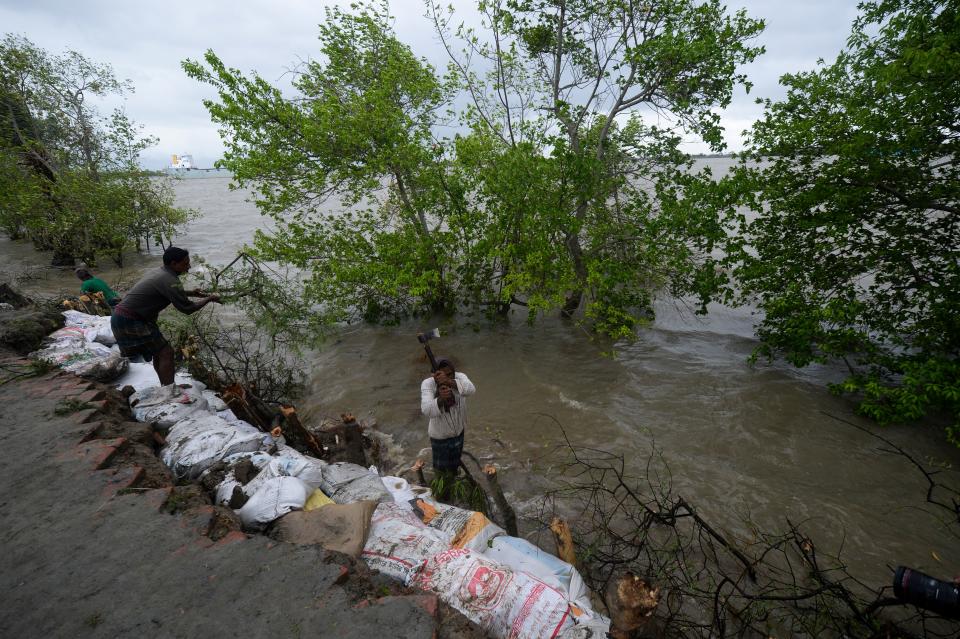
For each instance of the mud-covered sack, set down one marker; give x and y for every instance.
(523, 556)
(503, 602)
(276, 497)
(340, 527)
(346, 483)
(195, 444)
(224, 494)
(68, 349)
(464, 528)
(101, 366)
(399, 542)
(168, 405)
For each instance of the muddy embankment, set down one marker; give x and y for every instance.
(123, 469)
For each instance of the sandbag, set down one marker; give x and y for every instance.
(399, 542)
(464, 528)
(101, 367)
(214, 402)
(346, 483)
(340, 527)
(402, 492)
(503, 602)
(276, 498)
(287, 462)
(167, 405)
(195, 444)
(96, 328)
(521, 555)
(139, 375)
(69, 349)
(318, 500)
(225, 490)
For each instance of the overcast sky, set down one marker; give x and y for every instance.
(146, 41)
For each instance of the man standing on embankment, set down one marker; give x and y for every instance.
(134, 320)
(442, 400)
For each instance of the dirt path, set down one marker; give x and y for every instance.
(89, 549)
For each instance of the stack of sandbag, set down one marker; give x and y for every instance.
(96, 328)
(197, 442)
(70, 349)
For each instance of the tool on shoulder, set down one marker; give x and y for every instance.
(424, 338)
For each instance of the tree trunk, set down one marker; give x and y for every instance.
(572, 242)
(62, 257)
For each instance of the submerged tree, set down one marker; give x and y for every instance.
(555, 191)
(605, 209)
(70, 177)
(855, 254)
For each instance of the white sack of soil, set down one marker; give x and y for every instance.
(402, 492)
(504, 602)
(399, 543)
(195, 444)
(276, 497)
(346, 483)
(521, 555)
(288, 462)
(96, 328)
(464, 528)
(69, 349)
(168, 405)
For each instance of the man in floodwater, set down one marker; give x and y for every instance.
(134, 320)
(90, 284)
(442, 400)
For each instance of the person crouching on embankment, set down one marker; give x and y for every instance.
(90, 284)
(134, 320)
(442, 400)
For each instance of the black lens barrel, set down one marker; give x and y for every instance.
(929, 593)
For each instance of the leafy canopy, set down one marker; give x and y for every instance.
(854, 254)
(70, 176)
(551, 192)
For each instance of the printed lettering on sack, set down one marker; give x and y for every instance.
(483, 589)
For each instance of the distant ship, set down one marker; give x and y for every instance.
(184, 162)
(183, 166)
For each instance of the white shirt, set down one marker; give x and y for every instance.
(443, 424)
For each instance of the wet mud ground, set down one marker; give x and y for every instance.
(97, 542)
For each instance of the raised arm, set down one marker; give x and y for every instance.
(464, 384)
(428, 398)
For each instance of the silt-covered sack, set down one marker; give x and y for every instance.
(399, 542)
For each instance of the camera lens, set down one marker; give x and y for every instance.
(924, 591)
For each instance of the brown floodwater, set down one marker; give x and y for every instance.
(757, 443)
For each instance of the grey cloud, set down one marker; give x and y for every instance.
(147, 41)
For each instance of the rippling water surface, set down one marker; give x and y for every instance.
(741, 441)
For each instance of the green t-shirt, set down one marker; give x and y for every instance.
(96, 285)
